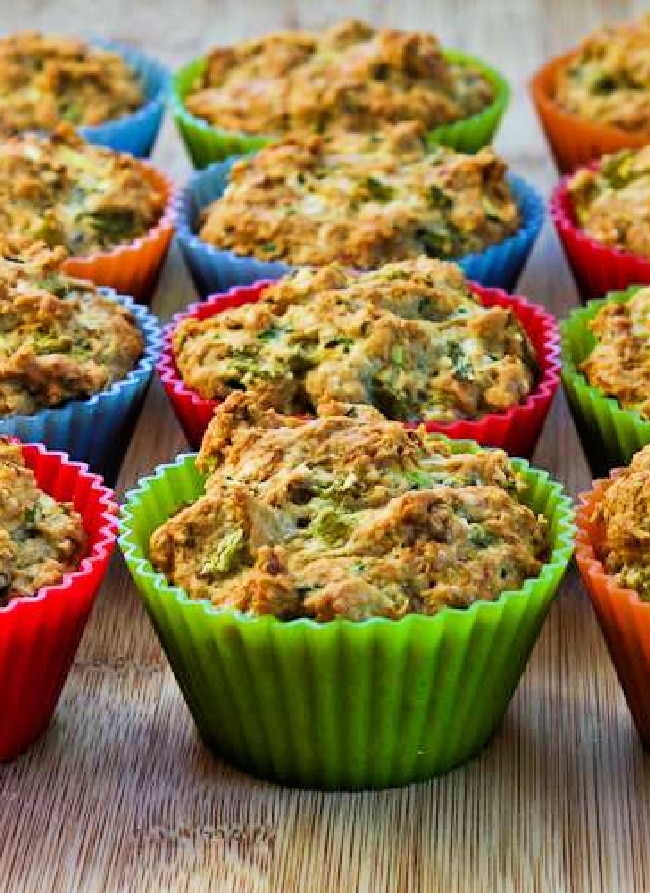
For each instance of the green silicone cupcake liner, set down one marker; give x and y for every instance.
(206, 143)
(610, 435)
(343, 705)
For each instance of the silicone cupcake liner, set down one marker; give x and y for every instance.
(133, 268)
(624, 619)
(39, 636)
(135, 133)
(610, 435)
(515, 431)
(575, 140)
(215, 270)
(350, 705)
(598, 269)
(207, 143)
(96, 430)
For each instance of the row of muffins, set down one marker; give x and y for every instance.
(429, 488)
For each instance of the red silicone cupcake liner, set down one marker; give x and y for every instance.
(598, 269)
(39, 635)
(516, 431)
(624, 619)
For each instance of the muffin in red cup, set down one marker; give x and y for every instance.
(57, 533)
(413, 339)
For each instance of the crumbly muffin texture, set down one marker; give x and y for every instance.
(362, 200)
(46, 79)
(612, 201)
(64, 191)
(619, 363)
(351, 77)
(60, 338)
(607, 79)
(625, 516)
(40, 539)
(410, 339)
(347, 515)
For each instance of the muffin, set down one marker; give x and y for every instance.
(410, 339)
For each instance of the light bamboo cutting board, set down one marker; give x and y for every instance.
(121, 795)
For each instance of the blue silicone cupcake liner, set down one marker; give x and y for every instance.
(135, 133)
(215, 270)
(97, 430)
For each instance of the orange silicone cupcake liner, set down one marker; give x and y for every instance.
(575, 141)
(623, 617)
(133, 269)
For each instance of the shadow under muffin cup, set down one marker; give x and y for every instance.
(574, 140)
(623, 617)
(515, 430)
(215, 269)
(39, 636)
(208, 143)
(373, 704)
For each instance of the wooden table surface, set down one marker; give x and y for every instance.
(120, 794)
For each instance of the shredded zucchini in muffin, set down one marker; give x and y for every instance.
(362, 200)
(45, 80)
(619, 363)
(63, 191)
(60, 338)
(410, 339)
(607, 80)
(351, 77)
(625, 515)
(612, 201)
(40, 539)
(343, 516)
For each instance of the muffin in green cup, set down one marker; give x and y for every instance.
(610, 433)
(345, 698)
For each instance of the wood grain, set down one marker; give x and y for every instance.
(121, 795)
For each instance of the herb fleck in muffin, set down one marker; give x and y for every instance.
(45, 80)
(607, 80)
(410, 339)
(60, 339)
(40, 539)
(619, 363)
(625, 514)
(351, 77)
(612, 201)
(343, 516)
(63, 191)
(362, 200)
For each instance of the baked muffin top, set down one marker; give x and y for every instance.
(60, 338)
(351, 77)
(362, 200)
(625, 514)
(607, 79)
(63, 191)
(612, 201)
(46, 79)
(410, 339)
(346, 516)
(40, 539)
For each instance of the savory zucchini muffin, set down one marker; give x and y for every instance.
(612, 202)
(625, 515)
(40, 539)
(362, 200)
(45, 80)
(60, 338)
(410, 339)
(619, 363)
(63, 191)
(347, 515)
(351, 77)
(607, 80)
